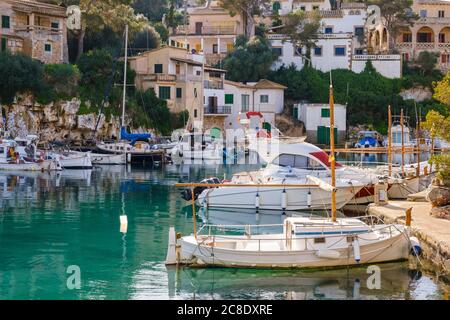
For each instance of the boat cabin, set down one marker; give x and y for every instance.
(8, 151)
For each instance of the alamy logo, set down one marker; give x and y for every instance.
(373, 17)
(74, 280)
(374, 280)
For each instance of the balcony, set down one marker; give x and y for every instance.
(425, 45)
(160, 77)
(213, 84)
(218, 110)
(405, 45)
(433, 20)
(207, 30)
(214, 58)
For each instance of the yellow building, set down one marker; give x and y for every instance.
(34, 28)
(211, 30)
(431, 32)
(175, 75)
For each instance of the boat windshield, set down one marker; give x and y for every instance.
(298, 162)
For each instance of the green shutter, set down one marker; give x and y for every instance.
(229, 99)
(164, 92)
(4, 44)
(325, 113)
(6, 23)
(48, 48)
(323, 135)
(158, 68)
(179, 93)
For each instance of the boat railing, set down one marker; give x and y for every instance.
(288, 240)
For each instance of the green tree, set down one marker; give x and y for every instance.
(442, 90)
(154, 10)
(396, 14)
(147, 39)
(301, 28)
(427, 61)
(20, 74)
(247, 9)
(250, 60)
(60, 82)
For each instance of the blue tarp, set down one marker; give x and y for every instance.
(368, 140)
(133, 137)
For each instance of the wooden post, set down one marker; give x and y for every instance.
(194, 218)
(418, 147)
(403, 142)
(332, 158)
(390, 140)
(408, 217)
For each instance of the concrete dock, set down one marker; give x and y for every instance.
(433, 233)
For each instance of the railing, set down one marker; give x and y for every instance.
(211, 84)
(207, 30)
(335, 35)
(425, 45)
(443, 45)
(433, 20)
(29, 28)
(160, 77)
(222, 110)
(213, 58)
(405, 45)
(189, 77)
(376, 57)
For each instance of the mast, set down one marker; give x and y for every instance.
(418, 145)
(403, 142)
(332, 158)
(125, 78)
(390, 140)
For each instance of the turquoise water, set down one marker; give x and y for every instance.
(50, 222)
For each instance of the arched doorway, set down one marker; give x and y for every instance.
(444, 35)
(425, 35)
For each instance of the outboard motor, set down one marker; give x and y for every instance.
(186, 194)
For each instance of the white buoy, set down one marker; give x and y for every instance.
(284, 200)
(123, 224)
(416, 249)
(171, 257)
(356, 250)
(309, 199)
(257, 202)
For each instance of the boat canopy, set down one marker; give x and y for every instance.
(133, 137)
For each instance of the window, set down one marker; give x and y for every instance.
(229, 99)
(230, 47)
(158, 68)
(424, 37)
(298, 162)
(164, 92)
(302, 8)
(245, 99)
(278, 51)
(195, 113)
(359, 31)
(359, 51)
(441, 13)
(264, 98)
(48, 47)
(325, 113)
(423, 13)
(215, 48)
(4, 45)
(179, 93)
(297, 51)
(328, 30)
(55, 25)
(315, 7)
(319, 240)
(339, 51)
(318, 51)
(441, 37)
(407, 37)
(6, 22)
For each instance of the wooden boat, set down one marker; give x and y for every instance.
(303, 243)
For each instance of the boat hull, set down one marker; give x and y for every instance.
(47, 165)
(82, 161)
(109, 159)
(270, 198)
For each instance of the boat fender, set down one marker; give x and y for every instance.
(356, 250)
(257, 202)
(284, 200)
(416, 249)
(309, 199)
(123, 224)
(328, 254)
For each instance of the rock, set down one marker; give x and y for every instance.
(417, 94)
(441, 212)
(439, 196)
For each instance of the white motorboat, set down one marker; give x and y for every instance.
(108, 159)
(72, 159)
(12, 160)
(197, 147)
(302, 243)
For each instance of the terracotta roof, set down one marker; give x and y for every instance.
(267, 84)
(238, 84)
(188, 61)
(209, 68)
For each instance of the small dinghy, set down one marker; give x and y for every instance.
(303, 243)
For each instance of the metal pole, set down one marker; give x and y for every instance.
(403, 142)
(194, 218)
(390, 140)
(125, 77)
(332, 158)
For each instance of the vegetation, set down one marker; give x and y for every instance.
(255, 54)
(442, 91)
(413, 76)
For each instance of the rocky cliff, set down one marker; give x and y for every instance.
(56, 121)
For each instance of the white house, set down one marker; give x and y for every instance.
(316, 118)
(339, 44)
(264, 96)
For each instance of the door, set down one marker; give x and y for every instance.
(177, 69)
(212, 105)
(323, 135)
(198, 27)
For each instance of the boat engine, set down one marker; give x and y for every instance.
(186, 194)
